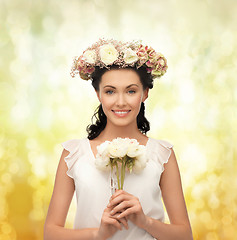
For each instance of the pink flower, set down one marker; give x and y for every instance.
(160, 67)
(142, 52)
(161, 62)
(156, 73)
(149, 70)
(151, 52)
(84, 75)
(90, 70)
(142, 55)
(81, 63)
(151, 63)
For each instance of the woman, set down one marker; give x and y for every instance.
(121, 74)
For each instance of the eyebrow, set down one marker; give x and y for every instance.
(126, 87)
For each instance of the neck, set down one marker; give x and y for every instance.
(110, 132)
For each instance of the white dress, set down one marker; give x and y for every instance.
(93, 189)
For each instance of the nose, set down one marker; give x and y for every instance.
(120, 101)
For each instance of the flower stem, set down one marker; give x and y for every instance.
(124, 164)
(112, 180)
(122, 173)
(117, 173)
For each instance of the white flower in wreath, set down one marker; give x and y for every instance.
(108, 54)
(130, 56)
(90, 56)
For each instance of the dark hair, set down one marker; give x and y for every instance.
(96, 128)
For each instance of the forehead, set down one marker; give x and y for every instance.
(120, 77)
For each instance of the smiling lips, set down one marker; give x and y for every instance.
(121, 113)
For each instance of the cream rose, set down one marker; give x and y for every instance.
(140, 163)
(102, 160)
(90, 56)
(130, 56)
(133, 148)
(118, 148)
(102, 163)
(108, 54)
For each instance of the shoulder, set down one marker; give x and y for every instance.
(161, 143)
(72, 143)
(160, 150)
(72, 150)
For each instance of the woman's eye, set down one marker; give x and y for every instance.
(131, 91)
(109, 92)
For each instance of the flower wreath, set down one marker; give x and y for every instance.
(106, 53)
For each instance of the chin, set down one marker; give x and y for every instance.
(121, 123)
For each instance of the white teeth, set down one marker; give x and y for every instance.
(119, 112)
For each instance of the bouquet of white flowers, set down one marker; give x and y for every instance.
(121, 154)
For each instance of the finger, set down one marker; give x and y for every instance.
(126, 213)
(114, 216)
(120, 198)
(124, 222)
(117, 193)
(121, 207)
(114, 222)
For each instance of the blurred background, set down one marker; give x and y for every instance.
(194, 106)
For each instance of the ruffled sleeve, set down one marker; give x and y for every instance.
(73, 147)
(161, 151)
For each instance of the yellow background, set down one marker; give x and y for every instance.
(193, 106)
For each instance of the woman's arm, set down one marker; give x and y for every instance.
(172, 193)
(179, 227)
(58, 208)
(61, 199)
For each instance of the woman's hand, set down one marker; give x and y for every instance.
(109, 224)
(129, 207)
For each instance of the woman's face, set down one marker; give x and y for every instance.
(121, 94)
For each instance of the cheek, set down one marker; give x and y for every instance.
(106, 102)
(137, 100)
(105, 108)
